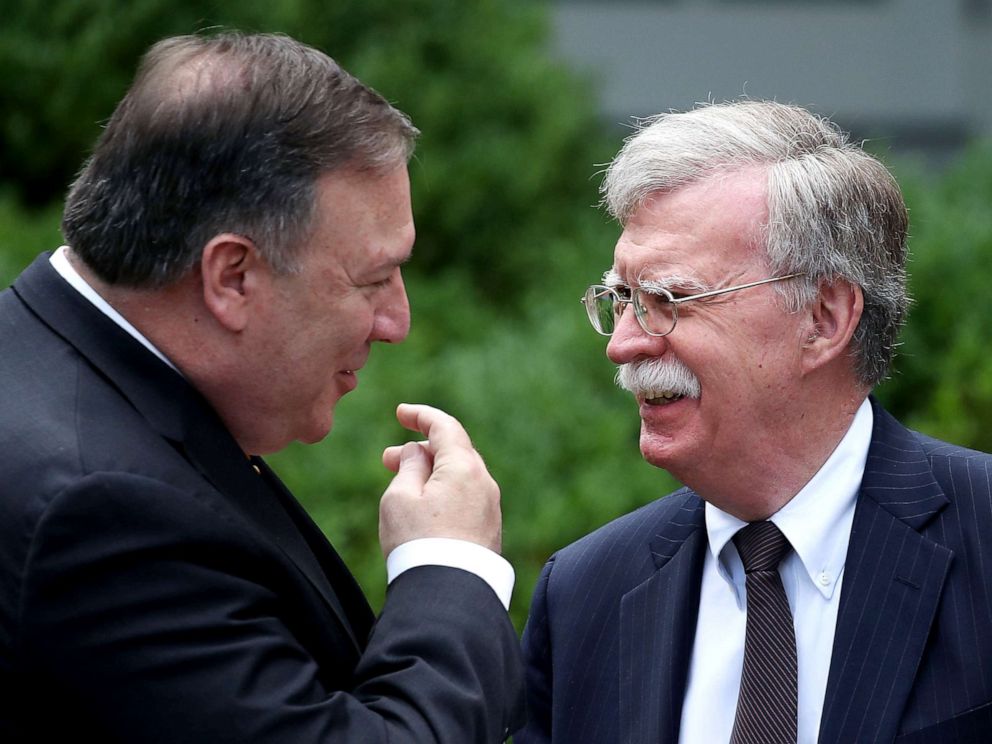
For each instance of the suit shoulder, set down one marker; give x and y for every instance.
(961, 472)
(936, 449)
(59, 413)
(626, 537)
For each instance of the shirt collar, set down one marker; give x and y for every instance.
(817, 520)
(60, 262)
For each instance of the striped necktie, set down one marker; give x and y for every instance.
(768, 702)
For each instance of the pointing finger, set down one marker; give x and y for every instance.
(441, 429)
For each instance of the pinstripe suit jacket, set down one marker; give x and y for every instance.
(613, 616)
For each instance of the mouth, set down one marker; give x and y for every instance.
(349, 379)
(658, 383)
(661, 397)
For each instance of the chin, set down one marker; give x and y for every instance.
(663, 452)
(314, 435)
(318, 429)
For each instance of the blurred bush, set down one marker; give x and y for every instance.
(508, 134)
(507, 241)
(502, 186)
(24, 234)
(943, 379)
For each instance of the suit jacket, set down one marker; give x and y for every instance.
(613, 618)
(155, 588)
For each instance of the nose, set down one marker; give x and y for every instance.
(392, 317)
(630, 343)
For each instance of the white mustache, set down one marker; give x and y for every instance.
(657, 376)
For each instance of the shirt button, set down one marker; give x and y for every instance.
(823, 578)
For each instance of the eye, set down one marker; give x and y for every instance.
(654, 301)
(382, 283)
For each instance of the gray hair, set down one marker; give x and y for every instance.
(834, 211)
(223, 133)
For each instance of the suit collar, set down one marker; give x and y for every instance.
(159, 393)
(893, 579)
(658, 624)
(897, 474)
(892, 585)
(176, 410)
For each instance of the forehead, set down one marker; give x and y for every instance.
(709, 229)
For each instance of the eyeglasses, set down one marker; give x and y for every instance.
(656, 309)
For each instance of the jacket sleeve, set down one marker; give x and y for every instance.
(153, 617)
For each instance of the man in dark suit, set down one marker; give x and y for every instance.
(234, 248)
(824, 574)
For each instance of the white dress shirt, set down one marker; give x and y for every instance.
(468, 556)
(817, 522)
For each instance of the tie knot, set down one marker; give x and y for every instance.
(761, 546)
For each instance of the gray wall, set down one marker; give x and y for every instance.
(918, 73)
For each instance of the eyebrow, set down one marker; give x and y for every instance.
(674, 281)
(395, 263)
(612, 278)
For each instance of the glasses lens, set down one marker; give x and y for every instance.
(656, 311)
(600, 304)
(602, 309)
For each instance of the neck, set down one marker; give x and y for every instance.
(164, 316)
(755, 488)
(177, 322)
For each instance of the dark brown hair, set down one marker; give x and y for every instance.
(223, 133)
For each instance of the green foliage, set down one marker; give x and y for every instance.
(507, 241)
(943, 380)
(65, 65)
(502, 193)
(23, 235)
(508, 135)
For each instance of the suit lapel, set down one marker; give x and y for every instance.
(893, 578)
(176, 410)
(347, 593)
(657, 627)
(212, 450)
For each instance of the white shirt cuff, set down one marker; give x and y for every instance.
(445, 551)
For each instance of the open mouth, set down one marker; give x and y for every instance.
(662, 397)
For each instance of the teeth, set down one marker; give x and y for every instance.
(661, 397)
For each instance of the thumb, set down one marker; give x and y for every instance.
(412, 469)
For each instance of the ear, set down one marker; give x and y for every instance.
(833, 318)
(233, 273)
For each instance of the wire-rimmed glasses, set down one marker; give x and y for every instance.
(656, 309)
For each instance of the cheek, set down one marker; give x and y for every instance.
(342, 328)
(765, 379)
(752, 367)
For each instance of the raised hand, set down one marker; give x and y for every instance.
(442, 487)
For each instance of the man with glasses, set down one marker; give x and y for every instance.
(824, 573)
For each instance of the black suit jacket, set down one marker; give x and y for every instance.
(155, 588)
(613, 618)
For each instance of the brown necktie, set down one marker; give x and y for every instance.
(767, 706)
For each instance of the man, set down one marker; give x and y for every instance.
(234, 249)
(823, 576)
